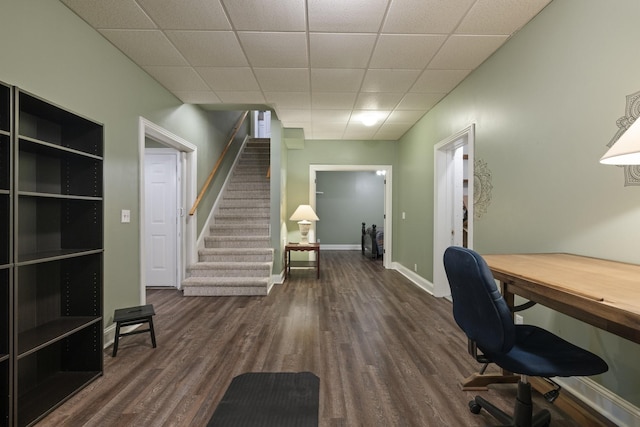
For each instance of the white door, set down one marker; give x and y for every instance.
(161, 217)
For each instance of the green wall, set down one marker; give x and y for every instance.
(48, 51)
(545, 106)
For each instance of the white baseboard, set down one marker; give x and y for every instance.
(609, 404)
(340, 247)
(602, 400)
(414, 277)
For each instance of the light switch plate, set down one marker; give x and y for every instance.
(126, 216)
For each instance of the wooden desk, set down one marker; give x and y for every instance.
(311, 247)
(605, 294)
(602, 293)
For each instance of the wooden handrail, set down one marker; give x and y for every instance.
(205, 187)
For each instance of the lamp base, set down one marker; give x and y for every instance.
(304, 231)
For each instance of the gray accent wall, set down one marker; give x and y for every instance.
(344, 200)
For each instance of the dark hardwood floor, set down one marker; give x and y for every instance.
(386, 352)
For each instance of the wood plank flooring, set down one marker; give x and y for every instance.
(386, 352)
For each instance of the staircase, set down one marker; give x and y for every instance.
(238, 258)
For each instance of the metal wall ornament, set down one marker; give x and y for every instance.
(632, 112)
(482, 188)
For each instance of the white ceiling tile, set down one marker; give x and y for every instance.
(392, 131)
(405, 51)
(389, 80)
(353, 16)
(336, 80)
(197, 97)
(335, 56)
(333, 100)
(183, 79)
(241, 97)
(329, 127)
(229, 78)
(187, 14)
(328, 50)
(499, 16)
(294, 115)
(462, 52)
(420, 101)
(439, 81)
(377, 101)
(145, 47)
(288, 100)
(330, 116)
(355, 131)
(425, 16)
(283, 80)
(259, 15)
(408, 117)
(327, 134)
(209, 48)
(358, 117)
(283, 50)
(114, 14)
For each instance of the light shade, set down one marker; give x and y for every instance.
(304, 213)
(626, 150)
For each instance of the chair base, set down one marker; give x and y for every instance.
(523, 410)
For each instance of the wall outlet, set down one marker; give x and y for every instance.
(404, 216)
(415, 267)
(519, 320)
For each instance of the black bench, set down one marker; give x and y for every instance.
(133, 316)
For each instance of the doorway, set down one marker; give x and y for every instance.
(387, 170)
(187, 158)
(453, 201)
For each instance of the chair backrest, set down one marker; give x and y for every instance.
(478, 307)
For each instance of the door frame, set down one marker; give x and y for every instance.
(388, 220)
(187, 223)
(443, 203)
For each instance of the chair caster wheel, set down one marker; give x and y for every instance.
(474, 407)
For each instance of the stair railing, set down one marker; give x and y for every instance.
(205, 187)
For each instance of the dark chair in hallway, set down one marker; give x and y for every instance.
(484, 316)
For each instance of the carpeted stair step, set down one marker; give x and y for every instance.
(248, 242)
(235, 255)
(225, 286)
(223, 218)
(248, 194)
(230, 269)
(244, 212)
(251, 230)
(245, 203)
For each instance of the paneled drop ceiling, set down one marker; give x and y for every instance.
(321, 65)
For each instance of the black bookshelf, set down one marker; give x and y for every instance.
(51, 211)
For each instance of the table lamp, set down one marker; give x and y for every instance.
(626, 150)
(304, 214)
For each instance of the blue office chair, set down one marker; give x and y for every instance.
(482, 313)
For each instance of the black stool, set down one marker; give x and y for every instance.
(133, 316)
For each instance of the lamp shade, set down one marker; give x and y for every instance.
(626, 150)
(304, 213)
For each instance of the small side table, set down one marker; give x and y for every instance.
(133, 316)
(310, 247)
